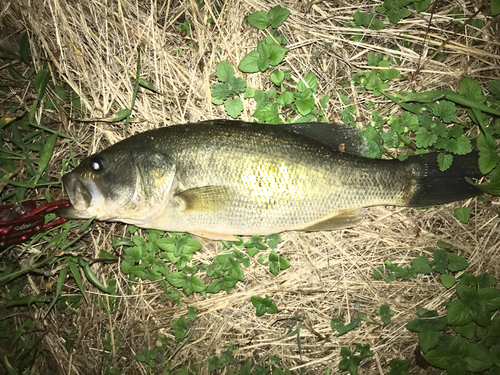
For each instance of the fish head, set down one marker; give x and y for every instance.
(125, 183)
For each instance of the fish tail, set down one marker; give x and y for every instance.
(434, 186)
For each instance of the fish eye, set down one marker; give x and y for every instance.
(96, 165)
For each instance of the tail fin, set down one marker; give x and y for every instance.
(437, 187)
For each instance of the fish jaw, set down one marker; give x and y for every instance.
(83, 195)
(78, 193)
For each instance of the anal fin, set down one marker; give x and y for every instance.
(339, 220)
(215, 236)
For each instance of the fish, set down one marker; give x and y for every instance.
(221, 178)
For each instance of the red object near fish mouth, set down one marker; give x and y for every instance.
(22, 220)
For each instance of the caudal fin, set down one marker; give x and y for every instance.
(437, 187)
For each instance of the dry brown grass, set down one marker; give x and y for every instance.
(91, 45)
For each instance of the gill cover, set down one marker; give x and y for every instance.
(126, 184)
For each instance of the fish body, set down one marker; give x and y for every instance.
(219, 178)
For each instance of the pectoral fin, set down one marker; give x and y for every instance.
(341, 219)
(204, 198)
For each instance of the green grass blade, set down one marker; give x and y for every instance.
(459, 99)
(41, 80)
(28, 185)
(73, 267)
(50, 130)
(405, 106)
(45, 156)
(24, 48)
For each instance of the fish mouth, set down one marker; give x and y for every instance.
(81, 193)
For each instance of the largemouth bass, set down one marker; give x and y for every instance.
(222, 178)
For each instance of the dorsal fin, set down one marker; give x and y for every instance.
(340, 137)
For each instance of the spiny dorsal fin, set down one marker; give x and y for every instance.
(340, 137)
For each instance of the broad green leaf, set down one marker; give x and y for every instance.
(267, 112)
(285, 98)
(260, 20)
(342, 328)
(196, 284)
(462, 214)
(121, 114)
(146, 84)
(273, 240)
(249, 63)
(103, 254)
(374, 60)
(424, 139)
(438, 358)
(444, 161)
(273, 309)
(134, 252)
(304, 104)
(167, 244)
(494, 86)
(277, 16)
(490, 297)
(277, 77)
(469, 86)
(276, 54)
(445, 110)
(428, 340)
(233, 107)
(399, 366)
(385, 313)
(478, 359)
(249, 92)
(256, 300)
(309, 81)
(447, 280)
(215, 287)
(220, 91)
(284, 263)
(458, 314)
(41, 80)
(177, 278)
(467, 330)
(429, 322)
(467, 294)
(488, 153)
(261, 309)
(480, 313)
(457, 263)
(224, 71)
(421, 5)
(461, 146)
(324, 101)
(440, 261)
(495, 7)
(420, 265)
(274, 267)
